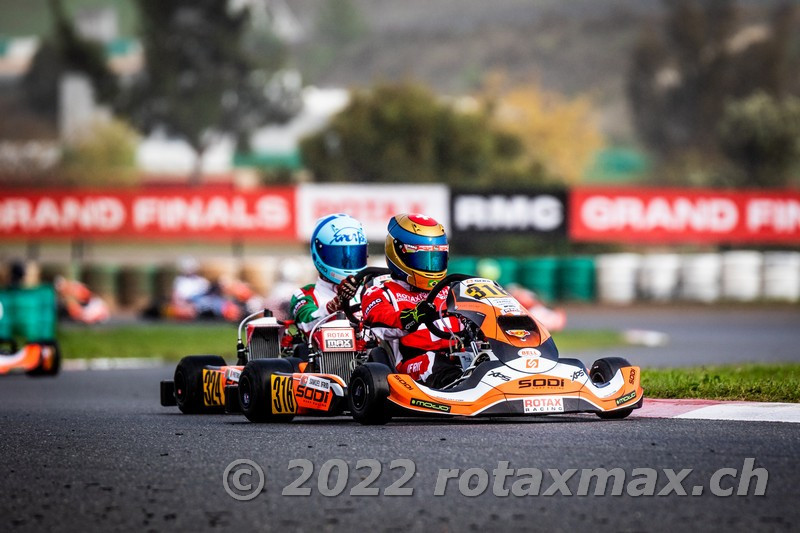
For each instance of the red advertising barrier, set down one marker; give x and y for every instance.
(673, 215)
(264, 214)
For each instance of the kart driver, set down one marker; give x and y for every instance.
(396, 311)
(339, 251)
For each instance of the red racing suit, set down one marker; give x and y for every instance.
(420, 353)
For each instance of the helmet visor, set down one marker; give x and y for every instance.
(424, 257)
(351, 257)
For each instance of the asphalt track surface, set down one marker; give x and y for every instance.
(94, 451)
(696, 334)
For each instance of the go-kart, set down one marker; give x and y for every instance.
(269, 382)
(511, 367)
(28, 331)
(34, 358)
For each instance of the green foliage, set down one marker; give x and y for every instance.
(753, 382)
(403, 133)
(65, 51)
(762, 135)
(106, 155)
(339, 23)
(204, 73)
(704, 55)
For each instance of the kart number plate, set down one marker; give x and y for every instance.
(213, 391)
(282, 395)
(484, 290)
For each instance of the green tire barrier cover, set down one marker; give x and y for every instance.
(540, 275)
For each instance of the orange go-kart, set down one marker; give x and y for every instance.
(34, 358)
(512, 367)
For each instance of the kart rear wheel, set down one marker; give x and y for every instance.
(367, 394)
(189, 383)
(602, 371)
(255, 390)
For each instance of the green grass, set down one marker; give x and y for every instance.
(571, 341)
(165, 341)
(753, 382)
(173, 341)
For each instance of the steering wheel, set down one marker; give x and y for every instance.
(431, 298)
(362, 278)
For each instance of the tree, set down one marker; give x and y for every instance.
(681, 76)
(65, 51)
(762, 135)
(558, 135)
(105, 155)
(403, 133)
(200, 77)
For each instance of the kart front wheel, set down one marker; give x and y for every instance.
(189, 383)
(367, 394)
(603, 370)
(264, 399)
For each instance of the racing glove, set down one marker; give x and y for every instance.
(346, 290)
(332, 306)
(410, 319)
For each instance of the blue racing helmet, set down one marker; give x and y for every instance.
(338, 247)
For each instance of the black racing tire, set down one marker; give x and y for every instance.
(189, 383)
(368, 393)
(602, 371)
(55, 363)
(255, 389)
(295, 362)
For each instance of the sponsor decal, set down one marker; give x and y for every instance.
(498, 375)
(414, 298)
(628, 397)
(372, 305)
(415, 367)
(402, 382)
(532, 363)
(315, 382)
(338, 340)
(543, 404)
(554, 383)
(534, 212)
(430, 405)
(232, 374)
(528, 352)
(283, 401)
(371, 204)
(262, 214)
(213, 390)
(521, 334)
(577, 375)
(633, 376)
(676, 215)
(298, 306)
(313, 392)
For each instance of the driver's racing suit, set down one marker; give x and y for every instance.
(308, 305)
(420, 353)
